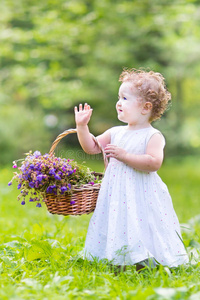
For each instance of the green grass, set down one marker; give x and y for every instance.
(39, 252)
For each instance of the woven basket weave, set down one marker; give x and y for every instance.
(84, 197)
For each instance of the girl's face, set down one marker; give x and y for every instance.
(129, 107)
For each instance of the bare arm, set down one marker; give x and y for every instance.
(82, 118)
(149, 162)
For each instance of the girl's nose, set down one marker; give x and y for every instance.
(119, 102)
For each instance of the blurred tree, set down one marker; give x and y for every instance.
(56, 54)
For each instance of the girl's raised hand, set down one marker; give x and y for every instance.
(83, 114)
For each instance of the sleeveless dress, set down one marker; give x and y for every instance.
(134, 220)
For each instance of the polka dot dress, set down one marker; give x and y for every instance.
(134, 219)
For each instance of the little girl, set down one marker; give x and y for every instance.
(134, 221)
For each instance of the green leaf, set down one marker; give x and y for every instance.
(38, 250)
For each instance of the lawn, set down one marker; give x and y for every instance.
(40, 252)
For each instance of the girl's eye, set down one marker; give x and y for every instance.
(123, 98)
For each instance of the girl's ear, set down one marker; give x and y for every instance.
(147, 107)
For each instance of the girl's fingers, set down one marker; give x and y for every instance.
(81, 108)
(86, 106)
(110, 147)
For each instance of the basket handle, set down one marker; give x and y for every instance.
(66, 132)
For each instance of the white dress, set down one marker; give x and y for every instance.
(134, 219)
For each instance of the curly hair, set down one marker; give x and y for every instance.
(151, 87)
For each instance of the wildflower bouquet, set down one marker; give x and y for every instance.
(40, 175)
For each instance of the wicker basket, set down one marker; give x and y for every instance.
(84, 197)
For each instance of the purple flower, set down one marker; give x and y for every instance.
(39, 174)
(31, 184)
(71, 172)
(38, 166)
(15, 166)
(36, 154)
(57, 177)
(22, 168)
(63, 189)
(50, 189)
(52, 172)
(40, 177)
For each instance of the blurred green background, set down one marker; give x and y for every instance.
(55, 54)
